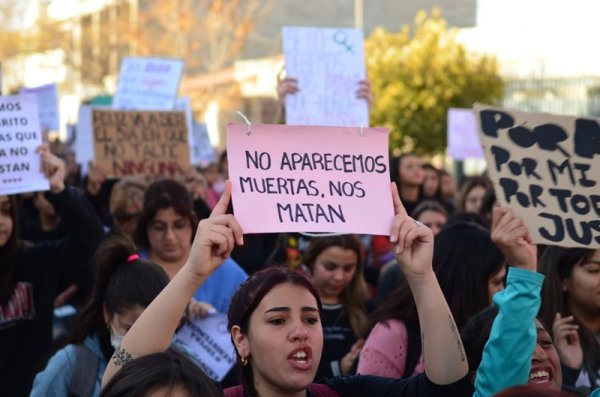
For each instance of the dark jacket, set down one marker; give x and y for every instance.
(43, 271)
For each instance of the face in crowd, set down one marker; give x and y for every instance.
(411, 170)
(170, 235)
(332, 272)
(275, 325)
(6, 220)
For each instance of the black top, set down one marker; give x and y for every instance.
(416, 386)
(338, 338)
(44, 270)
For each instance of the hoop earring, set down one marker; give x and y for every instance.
(244, 361)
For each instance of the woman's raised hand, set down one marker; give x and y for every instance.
(412, 241)
(215, 238)
(511, 236)
(53, 168)
(566, 340)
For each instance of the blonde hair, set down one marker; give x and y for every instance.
(128, 191)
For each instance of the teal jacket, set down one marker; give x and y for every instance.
(506, 359)
(55, 379)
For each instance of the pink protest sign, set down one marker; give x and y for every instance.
(310, 179)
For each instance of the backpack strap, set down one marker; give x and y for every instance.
(413, 348)
(86, 372)
(321, 390)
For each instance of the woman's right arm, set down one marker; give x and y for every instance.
(153, 331)
(513, 334)
(443, 352)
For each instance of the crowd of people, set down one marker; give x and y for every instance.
(456, 301)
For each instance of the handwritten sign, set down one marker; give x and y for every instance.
(328, 63)
(47, 98)
(463, 137)
(20, 135)
(147, 143)
(545, 167)
(184, 104)
(148, 84)
(310, 179)
(207, 342)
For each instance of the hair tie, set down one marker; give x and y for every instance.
(132, 258)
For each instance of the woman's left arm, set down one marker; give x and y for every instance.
(153, 330)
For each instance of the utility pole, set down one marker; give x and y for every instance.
(358, 15)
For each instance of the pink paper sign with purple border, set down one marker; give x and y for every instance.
(310, 179)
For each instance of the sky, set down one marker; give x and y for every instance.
(550, 37)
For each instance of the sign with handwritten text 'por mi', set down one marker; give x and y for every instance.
(328, 63)
(141, 143)
(310, 179)
(546, 168)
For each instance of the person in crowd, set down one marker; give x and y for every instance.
(336, 264)
(275, 324)
(470, 270)
(195, 183)
(161, 374)
(531, 391)
(471, 193)
(125, 204)
(214, 182)
(571, 308)
(290, 85)
(448, 187)
(38, 220)
(98, 188)
(432, 215)
(32, 275)
(432, 186)
(517, 346)
(124, 286)
(407, 172)
(488, 203)
(164, 235)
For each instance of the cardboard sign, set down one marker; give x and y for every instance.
(184, 104)
(463, 137)
(310, 179)
(207, 342)
(546, 168)
(328, 63)
(148, 84)
(20, 135)
(146, 143)
(47, 98)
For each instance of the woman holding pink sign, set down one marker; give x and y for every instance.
(274, 320)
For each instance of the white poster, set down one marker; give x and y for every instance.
(84, 136)
(203, 152)
(206, 340)
(47, 98)
(20, 135)
(148, 84)
(463, 137)
(328, 63)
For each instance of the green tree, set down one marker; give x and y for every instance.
(416, 77)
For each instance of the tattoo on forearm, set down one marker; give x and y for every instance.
(457, 338)
(122, 357)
